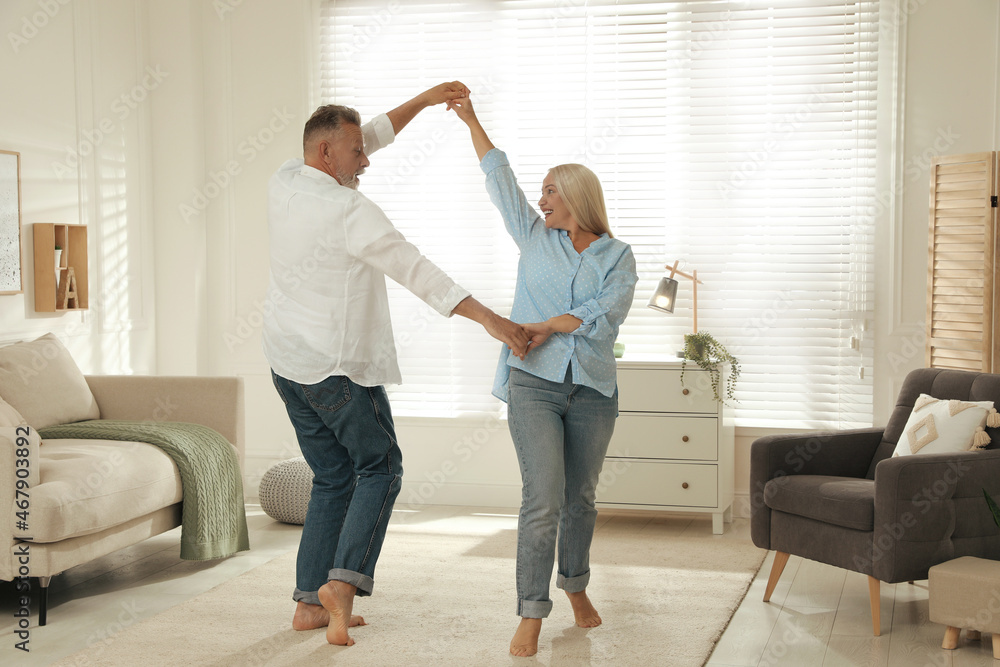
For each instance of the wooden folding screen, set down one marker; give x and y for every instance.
(963, 281)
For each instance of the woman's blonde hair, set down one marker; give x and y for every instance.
(581, 191)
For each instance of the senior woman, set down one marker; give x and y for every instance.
(574, 288)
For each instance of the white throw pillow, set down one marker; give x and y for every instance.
(41, 380)
(938, 426)
(9, 416)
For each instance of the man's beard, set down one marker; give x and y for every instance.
(350, 180)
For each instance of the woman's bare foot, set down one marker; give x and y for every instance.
(312, 616)
(525, 641)
(583, 610)
(338, 599)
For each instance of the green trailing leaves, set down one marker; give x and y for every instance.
(703, 349)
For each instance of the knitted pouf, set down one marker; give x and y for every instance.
(284, 490)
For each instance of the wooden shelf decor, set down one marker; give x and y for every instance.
(71, 291)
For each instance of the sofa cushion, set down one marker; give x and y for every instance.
(90, 485)
(843, 501)
(9, 416)
(43, 383)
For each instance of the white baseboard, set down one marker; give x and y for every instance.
(417, 494)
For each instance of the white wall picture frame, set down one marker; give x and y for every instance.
(11, 264)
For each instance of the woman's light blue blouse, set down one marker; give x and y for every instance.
(553, 279)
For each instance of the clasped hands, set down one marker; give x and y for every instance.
(520, 338)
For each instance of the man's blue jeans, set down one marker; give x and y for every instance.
(346, 435)
(561, 433)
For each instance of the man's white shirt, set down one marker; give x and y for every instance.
(331, 248)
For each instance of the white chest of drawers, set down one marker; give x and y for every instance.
(673, 445)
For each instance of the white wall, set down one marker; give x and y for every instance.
(949, 105)
(76, 101)
(175, 196)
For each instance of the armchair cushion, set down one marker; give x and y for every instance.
(842, 501)
(936, 426)
(939, 383)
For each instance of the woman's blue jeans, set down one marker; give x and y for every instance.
(346, 434)
(561, 433)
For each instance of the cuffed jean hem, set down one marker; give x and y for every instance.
(534, 608)
(362, 582)
(573, 584)
(309, 597)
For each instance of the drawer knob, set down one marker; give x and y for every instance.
(685, 391)
(685, 439)
(684, 485)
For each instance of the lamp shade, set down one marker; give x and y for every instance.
(665, 296)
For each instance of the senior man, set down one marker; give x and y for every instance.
(330, 346)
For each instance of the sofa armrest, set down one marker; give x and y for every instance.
(839, 453)
(19, 473)
(929, 508)
(216, 402)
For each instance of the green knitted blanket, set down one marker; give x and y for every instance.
(213, 520)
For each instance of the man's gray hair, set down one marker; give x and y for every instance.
(328, 118)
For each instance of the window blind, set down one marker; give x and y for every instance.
(738, 137)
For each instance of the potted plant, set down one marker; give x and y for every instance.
(710, 354)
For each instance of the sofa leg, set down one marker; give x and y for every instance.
(950, 640)
(43, 599)
(780, 559)
(874, 592)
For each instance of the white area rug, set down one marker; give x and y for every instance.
(444, 594)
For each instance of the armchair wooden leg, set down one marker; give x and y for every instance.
(950, 638)
(974, 635)
(874, 589)
(996, 645)
(780, 559)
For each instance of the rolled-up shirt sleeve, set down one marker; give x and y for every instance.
(602, 315)
(373, 239)
(377, 133)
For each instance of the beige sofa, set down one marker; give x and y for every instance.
(88, 498)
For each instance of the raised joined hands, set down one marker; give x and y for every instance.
(462, 106)
(445, 92)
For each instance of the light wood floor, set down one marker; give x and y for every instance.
(818, 615)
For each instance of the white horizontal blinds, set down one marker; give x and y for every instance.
(737, 136)
(770, 118)
(376, 56)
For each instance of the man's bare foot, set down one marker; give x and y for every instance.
(312, 616)
(583, 610)
(338, 599)
(525, 641)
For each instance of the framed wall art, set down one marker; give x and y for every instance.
(10, 223)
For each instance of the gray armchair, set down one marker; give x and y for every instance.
(839, 498)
